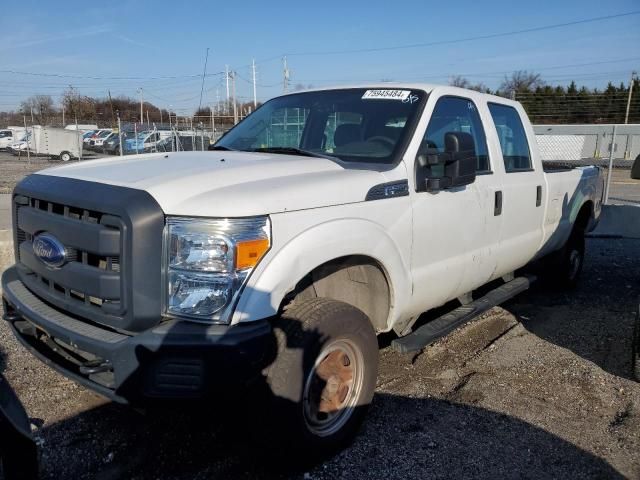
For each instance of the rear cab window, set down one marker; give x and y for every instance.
(513, 138)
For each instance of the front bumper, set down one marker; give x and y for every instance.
(173, 360)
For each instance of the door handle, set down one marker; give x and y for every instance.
(538, 195)
(497, 206)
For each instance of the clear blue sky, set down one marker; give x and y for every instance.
(167, 38)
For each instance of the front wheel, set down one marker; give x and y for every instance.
(323, 378)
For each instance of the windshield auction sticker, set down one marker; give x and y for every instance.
(386, 95)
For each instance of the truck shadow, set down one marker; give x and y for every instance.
(594, 320)
(402, 437)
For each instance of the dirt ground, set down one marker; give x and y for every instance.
(538, 388)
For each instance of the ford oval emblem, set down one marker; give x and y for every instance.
(49, 250)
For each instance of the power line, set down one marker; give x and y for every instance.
(89, 77)
(461, 40)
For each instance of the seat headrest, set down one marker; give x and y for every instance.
(347, 133)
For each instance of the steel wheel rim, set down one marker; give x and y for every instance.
(332, 388)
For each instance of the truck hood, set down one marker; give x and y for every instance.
(230, 184)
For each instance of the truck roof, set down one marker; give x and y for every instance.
(427, 87)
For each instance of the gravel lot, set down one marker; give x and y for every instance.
(537, 388)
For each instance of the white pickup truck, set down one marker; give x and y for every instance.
(273, 260)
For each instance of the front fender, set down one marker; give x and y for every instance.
(279, 273)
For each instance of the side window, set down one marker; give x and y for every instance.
(455, 114)
(513, 139)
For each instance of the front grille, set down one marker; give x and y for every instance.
(78, 284)
(113, 241)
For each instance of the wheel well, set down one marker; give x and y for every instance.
(357, 280)
(584, 216)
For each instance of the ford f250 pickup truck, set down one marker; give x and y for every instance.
(321, 220)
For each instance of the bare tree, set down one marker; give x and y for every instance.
(460, 81)
(78, 106)
(520, 81)
(41, 106)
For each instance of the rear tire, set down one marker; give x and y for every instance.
(65, 156)
(322, 380)
(567, 263)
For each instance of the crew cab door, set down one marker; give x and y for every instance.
(523, 189)
(455, 232)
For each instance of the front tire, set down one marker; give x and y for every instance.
(323, 378)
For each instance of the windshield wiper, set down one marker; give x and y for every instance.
(222, 148)
(293, 151)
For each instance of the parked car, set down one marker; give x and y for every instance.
(6, 138)
(266, 267)
(11, 135)
(21, 145)
(99, 142)
(98, 137)
(112, 144)
(145, 141)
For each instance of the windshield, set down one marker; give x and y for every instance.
(354, 125)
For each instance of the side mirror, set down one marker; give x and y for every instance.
(459, 161)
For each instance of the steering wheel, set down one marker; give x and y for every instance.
(381, 139)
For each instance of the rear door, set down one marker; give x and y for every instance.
(523, 189)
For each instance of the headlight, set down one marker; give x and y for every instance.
(208, 261)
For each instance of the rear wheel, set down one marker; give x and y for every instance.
(65, 156)
(323, 378)
(567, 263)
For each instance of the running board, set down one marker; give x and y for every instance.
(448, 322)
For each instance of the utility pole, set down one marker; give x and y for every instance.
(626, 115)
(226, 76)
(235, 105)
(119, 135)
(141, 103)
(253, 71)
(111, 103)
(204, 74)
(213, 123)
(63, 125)
(24, 117)
(32, 116)
(285, 81)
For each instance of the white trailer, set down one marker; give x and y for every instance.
(57, 142)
